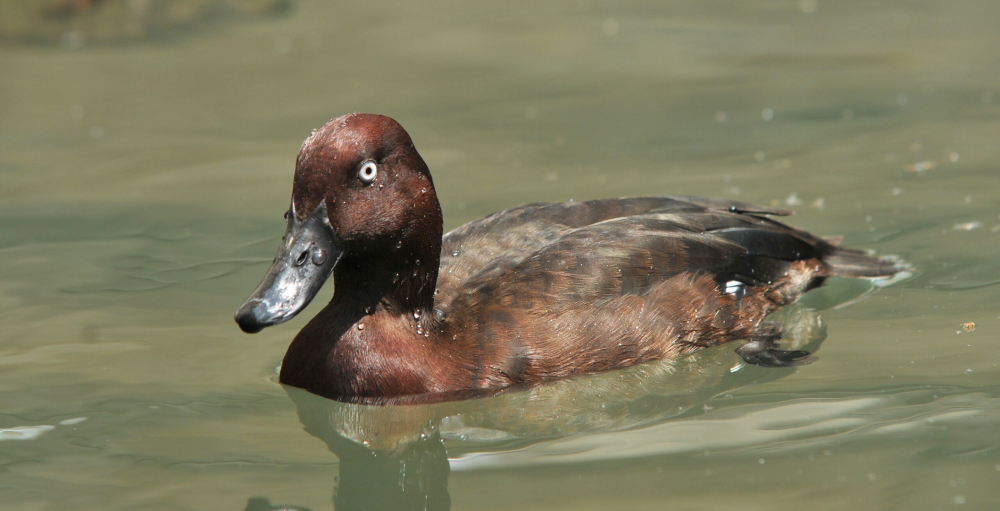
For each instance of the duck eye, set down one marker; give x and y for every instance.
(368, 172)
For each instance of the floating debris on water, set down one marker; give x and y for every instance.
(969, 326)
(921, 166)
(968, 226)
(793, 200)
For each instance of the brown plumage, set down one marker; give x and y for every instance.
(532, 293)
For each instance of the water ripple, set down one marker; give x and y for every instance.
(785, 427)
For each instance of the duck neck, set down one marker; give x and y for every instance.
(400, 283)
(400, 278)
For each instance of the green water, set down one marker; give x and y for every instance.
(142, 187)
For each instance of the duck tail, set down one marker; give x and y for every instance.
(845, 262)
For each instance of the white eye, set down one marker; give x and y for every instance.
(368, 172)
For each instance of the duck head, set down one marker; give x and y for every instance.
(364, 209)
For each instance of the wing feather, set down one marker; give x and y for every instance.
(598, 250)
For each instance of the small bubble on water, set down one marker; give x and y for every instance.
(399, 244)
(282, 45)
(361, 326)
(73, 40)
(610, 27)
(416, 314)
(454, 253)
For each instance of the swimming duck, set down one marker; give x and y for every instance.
(529, 294)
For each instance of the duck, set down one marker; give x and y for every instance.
(530, 294)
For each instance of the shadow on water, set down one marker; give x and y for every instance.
(396, 456)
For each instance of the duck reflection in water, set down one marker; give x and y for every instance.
(394, 453)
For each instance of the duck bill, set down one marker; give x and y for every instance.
(308, 253)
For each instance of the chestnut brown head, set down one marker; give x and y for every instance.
(361, 193)
(367, 171)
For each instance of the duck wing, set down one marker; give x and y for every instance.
(603, 232)
(549, 255)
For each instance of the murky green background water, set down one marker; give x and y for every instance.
(141, 193)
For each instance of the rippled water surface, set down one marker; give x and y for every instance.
(142, 186)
